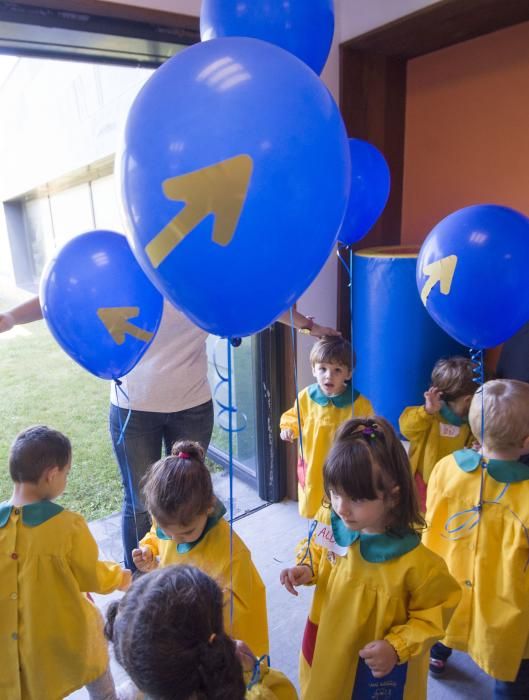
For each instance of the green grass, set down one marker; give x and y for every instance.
(41, 384)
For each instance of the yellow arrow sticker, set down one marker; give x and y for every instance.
(219, 189)
(441, 271)
(116, 321)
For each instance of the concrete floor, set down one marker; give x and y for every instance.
(272, 534)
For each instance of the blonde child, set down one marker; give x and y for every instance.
(478, 515)
(52, 635)
(381, 597)
(168, 634)
(323, 407)
(440, 426)
(189, 528)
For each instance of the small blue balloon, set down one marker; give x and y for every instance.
(472, 274)
(303, 27)
(98, 303)
(235, 199)
(370, 185)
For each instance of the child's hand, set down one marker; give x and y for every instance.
(296, 576)
(287, 435)
(125, 581)
(380, 657)
(144, 559)
(432, 400)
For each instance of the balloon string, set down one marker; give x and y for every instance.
(230, 452)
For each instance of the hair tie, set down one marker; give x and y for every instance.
(212, 638)
(369, 432)
(183, 455)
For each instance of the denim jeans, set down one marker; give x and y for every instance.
(145, 435)
(519, 688)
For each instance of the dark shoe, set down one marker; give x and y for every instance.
(437, 667)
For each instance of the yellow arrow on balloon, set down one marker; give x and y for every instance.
(219, 189)
(116, 321)
(441, 271)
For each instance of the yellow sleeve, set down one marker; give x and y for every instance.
(92, 575)
(151, 540)
(414, 421)
(289, 420)
(430, 608)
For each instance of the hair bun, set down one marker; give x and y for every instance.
(189, 450)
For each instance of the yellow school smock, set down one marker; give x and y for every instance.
(320, 417)
(432, 437)
(211, 554)
(51, 634)
(272, 685)
(487, 552)
(368, 588)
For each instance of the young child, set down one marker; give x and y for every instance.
(189, 528)
(478, 515)
(440, 426)
(322, 407)
(168, 634)
(381, 597)
(52, 635)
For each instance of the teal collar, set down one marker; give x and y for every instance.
(185, 547)
(502, 470)
(341, 401)
(374, 548)
(33, 514)
(450, 417)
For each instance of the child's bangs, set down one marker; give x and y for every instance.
(349, 470)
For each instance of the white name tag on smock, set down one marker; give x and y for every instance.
(323, 536)
(447, 430)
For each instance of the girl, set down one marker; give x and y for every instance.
(382, 599)
(189, 528)
(168, 634)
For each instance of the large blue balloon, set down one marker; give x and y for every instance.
(303, 27)
(472, 274)
(235, 175)
(370, 183)
(99, 305)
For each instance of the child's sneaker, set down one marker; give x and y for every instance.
(437, 666)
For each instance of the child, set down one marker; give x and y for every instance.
(322, 407)
(440, 426)
(478, 515)
(189, 528)
(381, 597)
(168, 634)
(52, 635)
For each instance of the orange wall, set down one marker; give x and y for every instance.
(467, 129)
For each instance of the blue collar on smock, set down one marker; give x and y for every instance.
(185, 547)
(502, 470)
(341, 401)
(449, 416)
(33, 514)
(374, 548)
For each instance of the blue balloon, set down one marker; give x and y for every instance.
(472, 274)
(303, 27)
(235, 174)
(99, 305)
(370, 184)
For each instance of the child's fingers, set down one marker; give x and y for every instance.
(288, 580)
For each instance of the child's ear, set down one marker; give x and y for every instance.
(349, 375)
(51, 474)
(395, 494)
(525, 446)
(313, 371)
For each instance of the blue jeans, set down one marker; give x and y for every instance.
(519, 688)
(145, 435)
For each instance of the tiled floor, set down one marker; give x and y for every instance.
(271, 534)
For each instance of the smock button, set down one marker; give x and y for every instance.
(13, 596)
(468, 583)
(14, 555)
(17, 511)
(14, 636)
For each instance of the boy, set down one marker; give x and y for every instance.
(51, 634)
(440, 427)
(322, 407)
(478, 515)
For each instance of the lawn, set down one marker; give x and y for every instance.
(40, 384)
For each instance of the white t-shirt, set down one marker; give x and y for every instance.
(173, 373)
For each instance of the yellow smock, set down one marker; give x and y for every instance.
(320, 417)
(378, 587)
(51, 634)
(432, 437)
(211, 554)
(488, 554)
(272, 685)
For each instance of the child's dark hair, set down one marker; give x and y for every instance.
(177, 488)
(35, 450)
(367, 456)
(168, 634)
(454, 377)
(333, 349)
